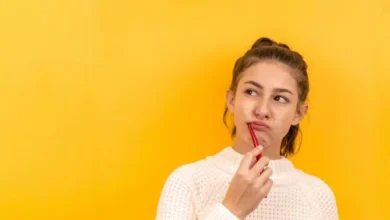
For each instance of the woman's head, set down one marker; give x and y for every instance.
(269, 86)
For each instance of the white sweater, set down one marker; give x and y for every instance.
(196, 190)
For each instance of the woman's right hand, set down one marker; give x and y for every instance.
(249, 185)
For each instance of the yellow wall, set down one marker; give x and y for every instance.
(101, 100)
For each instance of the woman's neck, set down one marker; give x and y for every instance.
(271, 151)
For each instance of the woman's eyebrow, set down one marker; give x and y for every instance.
(258, 85)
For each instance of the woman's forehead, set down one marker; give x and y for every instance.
(269, 74)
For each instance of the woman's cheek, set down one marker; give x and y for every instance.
(247, 106)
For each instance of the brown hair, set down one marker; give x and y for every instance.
(267, 49)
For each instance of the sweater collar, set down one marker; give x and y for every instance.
(229, 160)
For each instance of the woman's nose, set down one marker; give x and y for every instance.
(262, 110)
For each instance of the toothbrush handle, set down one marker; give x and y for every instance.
(254, 140)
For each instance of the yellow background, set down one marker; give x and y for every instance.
(101, 100)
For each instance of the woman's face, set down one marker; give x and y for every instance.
(266, 94)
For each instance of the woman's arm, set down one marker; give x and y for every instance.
(329, 205)
(177, 201)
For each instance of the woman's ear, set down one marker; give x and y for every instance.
(300, 113)
(230, 100)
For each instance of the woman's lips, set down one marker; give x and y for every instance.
(260, 126)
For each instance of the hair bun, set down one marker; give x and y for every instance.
(265, 41)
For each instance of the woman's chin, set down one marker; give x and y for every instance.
(265, 143)
(261, 141)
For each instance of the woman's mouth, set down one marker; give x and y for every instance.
(259, 126)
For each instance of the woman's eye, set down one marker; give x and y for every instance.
(281, 99)
(250, 92)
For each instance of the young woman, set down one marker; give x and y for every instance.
(268, 90)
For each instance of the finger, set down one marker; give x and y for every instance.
(249, 158)
(267, 187)
(257, 156)
(264, 177)
(260, 165)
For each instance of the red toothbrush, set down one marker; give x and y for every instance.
(254, 139)
(255, 143)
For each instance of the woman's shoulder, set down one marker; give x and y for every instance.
(321, 195)
(316, 186)
(314, 181)
(188, 173)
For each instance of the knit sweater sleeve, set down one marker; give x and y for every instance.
(177, 201)
(321, 197)
(328, 204)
